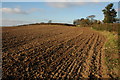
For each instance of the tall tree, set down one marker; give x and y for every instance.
(109, 14)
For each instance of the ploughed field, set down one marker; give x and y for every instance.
(52, 51)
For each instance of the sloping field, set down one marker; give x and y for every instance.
(52, 51)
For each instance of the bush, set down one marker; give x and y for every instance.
(111, 27)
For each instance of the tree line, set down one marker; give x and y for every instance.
(110, 15)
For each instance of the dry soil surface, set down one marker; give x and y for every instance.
(52, 51)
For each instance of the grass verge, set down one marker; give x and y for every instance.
(111, 53)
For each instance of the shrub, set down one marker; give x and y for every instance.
(111, 27)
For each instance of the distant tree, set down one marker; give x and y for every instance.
(82, 18)
(76, 22)
(96, 22)
(85, 22)
(91, 18)
(82, 21)
(50, 21)
(109, 14)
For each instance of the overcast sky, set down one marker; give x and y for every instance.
(14, 13)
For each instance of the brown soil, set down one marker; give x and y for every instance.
(52, 51)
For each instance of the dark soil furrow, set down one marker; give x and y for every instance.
(52, 52)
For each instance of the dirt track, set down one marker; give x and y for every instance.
(49, 51)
